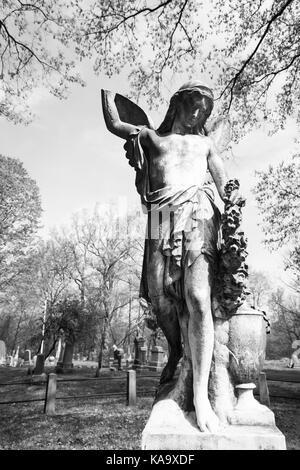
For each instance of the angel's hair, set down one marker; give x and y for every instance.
(192, 87)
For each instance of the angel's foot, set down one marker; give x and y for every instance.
(207, 420)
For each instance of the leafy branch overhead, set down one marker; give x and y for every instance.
(247, 49)
(34, 51)
(278, 196)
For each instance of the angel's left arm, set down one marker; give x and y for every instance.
(217, 170)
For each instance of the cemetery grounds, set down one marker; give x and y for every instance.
(105, 423)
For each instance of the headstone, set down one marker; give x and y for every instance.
(34, 360)
(40, 364)
(143, 355)
(58, 349)
(62, 352)
(66, 365)
(140, 352)
(27, 357)
(156, 359)
(15, 358)
(2, 352)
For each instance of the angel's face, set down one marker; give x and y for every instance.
(193, 109)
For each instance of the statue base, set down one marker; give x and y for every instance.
(169, 428)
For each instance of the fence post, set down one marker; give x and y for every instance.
(131, 388)
(263, 390)
(49, 407)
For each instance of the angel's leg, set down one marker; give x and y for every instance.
(164, 309)
(201, 338)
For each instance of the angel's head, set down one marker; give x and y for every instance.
(189, 107)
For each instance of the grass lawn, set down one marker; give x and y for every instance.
(102, 424)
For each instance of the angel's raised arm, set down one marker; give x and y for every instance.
(122, 116)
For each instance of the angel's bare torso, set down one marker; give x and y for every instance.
(175, 159)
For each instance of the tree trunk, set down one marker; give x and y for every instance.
(103, 347)
(17, 332)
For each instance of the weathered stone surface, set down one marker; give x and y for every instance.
(193, 289)
(248, 411)
(156, 359)
(27, 357)
(139, 352)
(169, 428)
(2, 352)
(66, 365)
(40, 364)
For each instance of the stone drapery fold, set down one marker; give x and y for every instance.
(185, 220)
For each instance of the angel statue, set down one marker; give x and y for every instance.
(182, 243)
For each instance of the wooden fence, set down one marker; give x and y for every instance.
(132, 388)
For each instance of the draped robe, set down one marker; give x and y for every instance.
(184, 219)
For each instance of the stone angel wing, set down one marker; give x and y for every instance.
(219, 130)
(122, 116)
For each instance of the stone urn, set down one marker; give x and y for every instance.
(247, 345)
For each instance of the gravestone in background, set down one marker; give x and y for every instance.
(140, 352)
(58, 350)
(27, 357)
(66, 365)
(156, 358)
(2, 352)
(40, 364)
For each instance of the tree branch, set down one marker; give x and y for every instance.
(233, 81)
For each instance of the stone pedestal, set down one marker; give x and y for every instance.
(156, 359)
(169, 428)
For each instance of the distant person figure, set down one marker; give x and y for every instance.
(294, 357)
(117, 356)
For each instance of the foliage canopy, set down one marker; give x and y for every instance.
(247, 49)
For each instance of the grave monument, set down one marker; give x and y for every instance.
(194, 277)
(27, 357)
(2, 353)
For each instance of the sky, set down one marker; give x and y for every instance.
(77, 163)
